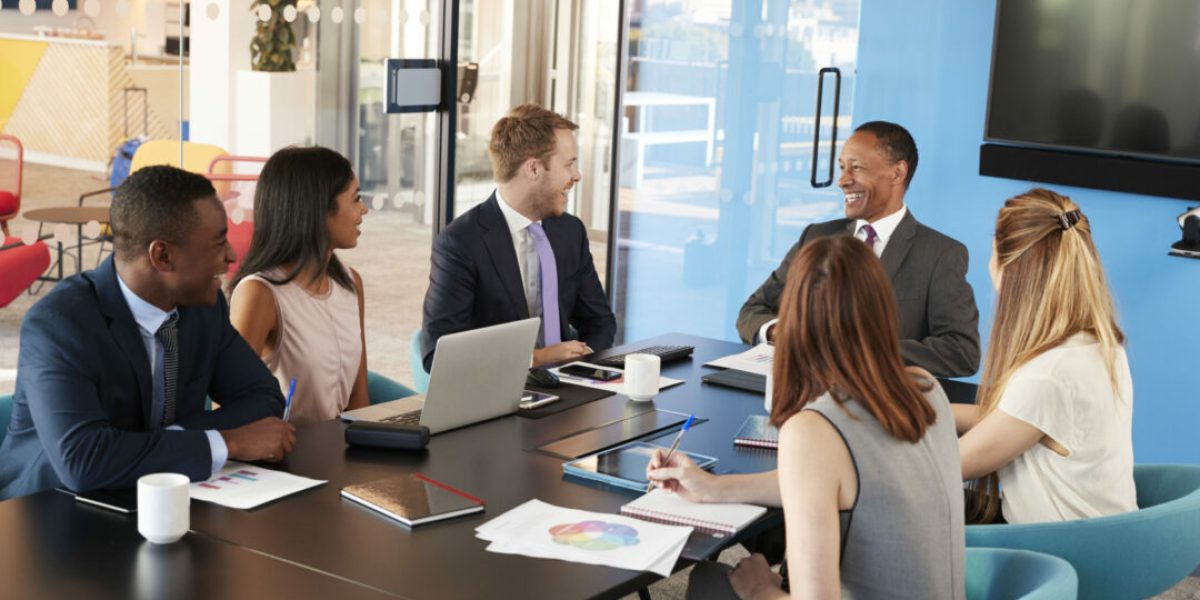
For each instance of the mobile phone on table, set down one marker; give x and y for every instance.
(536, 399)
(590, 372)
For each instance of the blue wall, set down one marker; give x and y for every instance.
(924, 64)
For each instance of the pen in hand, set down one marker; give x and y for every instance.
(287, 404)
(675, 444)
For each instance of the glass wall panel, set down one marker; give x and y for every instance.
(717, 152)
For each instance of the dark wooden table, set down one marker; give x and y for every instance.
(70, 215)
(497, 460)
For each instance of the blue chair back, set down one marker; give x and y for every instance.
(420, 375)
(383, 389)
(5, 414)
(1132, 555)
(1005, 574)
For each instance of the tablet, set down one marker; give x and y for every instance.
(625, 466)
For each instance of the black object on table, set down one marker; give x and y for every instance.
(665, 353)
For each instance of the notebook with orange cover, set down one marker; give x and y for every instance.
(757, 432)
(719, 519)
(413, 499)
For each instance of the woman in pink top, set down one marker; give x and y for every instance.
(293, 300)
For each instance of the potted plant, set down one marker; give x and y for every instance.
(274, 40)
(275, 101)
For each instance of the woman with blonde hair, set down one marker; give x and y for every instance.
(1050, 438)
(868, 473)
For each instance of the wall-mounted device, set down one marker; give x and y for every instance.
(413, 85)
(1189, 246)
(468, 79)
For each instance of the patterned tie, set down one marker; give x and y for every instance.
(549, 271)
(871, 237)
(168, 336)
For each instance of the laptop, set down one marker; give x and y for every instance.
(477, 375)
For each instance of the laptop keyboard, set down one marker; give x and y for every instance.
(409, 418)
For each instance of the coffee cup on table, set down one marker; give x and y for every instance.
(164, 507)
(641, 376)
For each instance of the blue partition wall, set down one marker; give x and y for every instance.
(925, 63)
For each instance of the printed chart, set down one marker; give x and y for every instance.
(594, 535)
(239, 485)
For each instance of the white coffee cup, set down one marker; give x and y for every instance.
(164, 507)
(767, 394)
(641, 376)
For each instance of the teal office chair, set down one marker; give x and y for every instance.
(383, 389)
(420, 375)
(1005, 574)
(5, 414)
(1132, 555)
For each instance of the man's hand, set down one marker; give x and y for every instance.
(268, 439)
(561, 352)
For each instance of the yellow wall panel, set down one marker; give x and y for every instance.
(18, 60)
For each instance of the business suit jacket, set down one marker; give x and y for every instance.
(939, 322)
(475, 280)
(81, 412)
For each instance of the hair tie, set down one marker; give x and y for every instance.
(1068, 219)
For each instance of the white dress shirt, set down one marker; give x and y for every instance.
(149, 318)
(527, 258)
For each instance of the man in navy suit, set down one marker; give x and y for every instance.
(518, 255)
(115, 363)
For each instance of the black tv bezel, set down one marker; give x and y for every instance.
(1131, 172)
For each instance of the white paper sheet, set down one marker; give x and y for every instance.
(542, 530)
(755, 360)
(239, 485)
(616, 385)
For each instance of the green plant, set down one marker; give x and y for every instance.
(273, 41)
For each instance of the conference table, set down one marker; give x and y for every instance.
(315, 544)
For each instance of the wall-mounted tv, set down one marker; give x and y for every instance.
(1096, 85)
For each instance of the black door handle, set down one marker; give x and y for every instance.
(837, 97)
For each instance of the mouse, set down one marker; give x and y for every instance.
(541, 378)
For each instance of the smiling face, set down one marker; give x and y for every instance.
(872, 185)
(554, 178)
(346, 217)
(201, 259)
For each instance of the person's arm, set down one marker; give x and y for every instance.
(590, 314)
(450, 299)
(994, 442)
(763, 305)
(683, 477)
(966, 416)
(952, 347)
(358, 394)
(253, 314)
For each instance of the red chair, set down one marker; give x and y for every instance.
(12, 167)
(20, 265)
(240, 233)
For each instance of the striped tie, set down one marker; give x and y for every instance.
(168, 336)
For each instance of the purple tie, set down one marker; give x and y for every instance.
(870, 241)
(549, 271)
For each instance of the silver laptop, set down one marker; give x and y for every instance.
(477, 375)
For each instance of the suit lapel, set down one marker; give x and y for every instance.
(898, 246)
(499, 244)
(124, 331)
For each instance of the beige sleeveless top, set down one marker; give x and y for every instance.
(320, 344)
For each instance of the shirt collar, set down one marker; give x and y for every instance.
(516, 221)
(886, 226)
(148, 316)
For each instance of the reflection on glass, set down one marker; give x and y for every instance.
(717, 133)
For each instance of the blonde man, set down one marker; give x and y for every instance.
(519, 255)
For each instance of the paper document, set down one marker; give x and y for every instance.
(616, 386)
(244, 486)
(755, 360)
(543, 530)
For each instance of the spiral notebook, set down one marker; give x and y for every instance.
(757, 432)
(720, 520)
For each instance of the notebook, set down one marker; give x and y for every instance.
(721, 520)
(413, 499)
(758, 432)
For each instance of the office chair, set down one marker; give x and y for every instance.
(1005, 574)
(420, 375)
(12, 170)
(384, 389)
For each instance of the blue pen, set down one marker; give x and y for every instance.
(287, 405)
(675, 444)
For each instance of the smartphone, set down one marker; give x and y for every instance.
(590, 372)
(536, 399)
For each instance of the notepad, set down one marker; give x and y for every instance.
(719, 519)
(758, 432)
(413, 499)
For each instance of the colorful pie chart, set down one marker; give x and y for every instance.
(594, 535)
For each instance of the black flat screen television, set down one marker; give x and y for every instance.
(1117, 80)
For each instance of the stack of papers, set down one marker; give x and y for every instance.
(543, 530)
(239, 485)
(756, 360)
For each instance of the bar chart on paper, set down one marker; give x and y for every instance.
(243, 486)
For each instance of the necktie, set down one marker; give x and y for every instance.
(549, 272)
(871, 237)
(168, 336)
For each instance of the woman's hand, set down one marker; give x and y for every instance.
(682, 476)
(753, 579)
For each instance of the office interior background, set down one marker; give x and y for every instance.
(698, 121)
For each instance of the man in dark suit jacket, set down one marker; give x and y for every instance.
(101, 401)
(939, 322)
(502, 260)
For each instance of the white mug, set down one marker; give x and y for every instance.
(164, 507)
(641, 376)
(767, 395)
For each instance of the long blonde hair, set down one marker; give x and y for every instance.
(1052, 286)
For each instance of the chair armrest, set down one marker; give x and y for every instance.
(82, 197)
